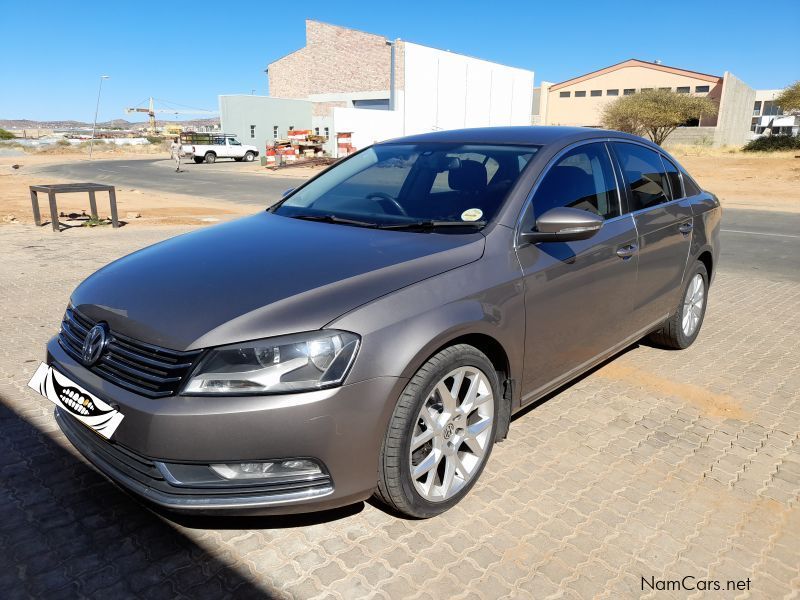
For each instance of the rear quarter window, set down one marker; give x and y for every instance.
(690, 186)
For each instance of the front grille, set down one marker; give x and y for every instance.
(142, 368)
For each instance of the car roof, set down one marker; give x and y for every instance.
(520, 135)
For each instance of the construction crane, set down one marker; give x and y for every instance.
(151, 112)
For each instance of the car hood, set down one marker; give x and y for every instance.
(261, 276)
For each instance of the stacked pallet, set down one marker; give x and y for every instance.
(299, 145)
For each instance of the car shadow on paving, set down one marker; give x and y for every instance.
(100, 542)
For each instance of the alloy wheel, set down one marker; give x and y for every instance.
(693, 305)
(452, 434)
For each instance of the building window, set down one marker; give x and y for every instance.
(252, 131)
(316, 130)
(669, 89)
(581, 94)
(291, 127)
(771, 109)
(612, 92)
(646, 90)
(628, 91)
(757, 108)
(683, 90)
(326, 133)
(372, 104)
(701, 89)
(274, 132)
(563, 94)
(596, 93)
(754, 123)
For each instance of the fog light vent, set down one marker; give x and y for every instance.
(296, 467)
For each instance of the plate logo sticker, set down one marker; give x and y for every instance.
(72, 398)
(472, 214)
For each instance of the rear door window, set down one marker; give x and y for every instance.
(674, 178)
(645, 175)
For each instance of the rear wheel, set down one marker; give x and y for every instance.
(210, 158)
(683, 327)
(198, 159)
(249, 156)
(441, 433)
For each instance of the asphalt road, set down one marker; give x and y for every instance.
(766, 243)
(225, 180)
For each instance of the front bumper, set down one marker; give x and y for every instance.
(342, 428)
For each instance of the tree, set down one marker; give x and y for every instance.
(6, 135)
(656, 113)
(789, 99)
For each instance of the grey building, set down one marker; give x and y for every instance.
(258, 120)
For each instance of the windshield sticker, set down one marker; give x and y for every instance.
(472, 214)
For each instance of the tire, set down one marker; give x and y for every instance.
(674, 333)
(210, 158)
(249, 156)
(449, 441)
(198, 159)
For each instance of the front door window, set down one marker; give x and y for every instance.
(583, 178)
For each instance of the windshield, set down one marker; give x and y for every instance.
(397, 184)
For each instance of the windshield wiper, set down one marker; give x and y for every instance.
(428, 225)
(335, 219)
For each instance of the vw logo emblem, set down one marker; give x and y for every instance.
(94, 344)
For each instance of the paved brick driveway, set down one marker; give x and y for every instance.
(660, 464)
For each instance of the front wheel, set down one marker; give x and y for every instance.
(682, 328)
(249, 156)
(441, 433)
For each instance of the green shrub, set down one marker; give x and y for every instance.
(62, 142)
(773, 143)
(154, 139)
(6, 135)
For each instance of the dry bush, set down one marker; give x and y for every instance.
(656, 113)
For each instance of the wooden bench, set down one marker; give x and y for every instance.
(69, 188)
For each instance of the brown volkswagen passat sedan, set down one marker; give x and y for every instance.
(374, 331)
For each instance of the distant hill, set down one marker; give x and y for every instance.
(116, 123)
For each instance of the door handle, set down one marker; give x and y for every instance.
(685, 228)
(627, 251)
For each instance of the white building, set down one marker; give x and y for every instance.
(376, 89)
(768, 115)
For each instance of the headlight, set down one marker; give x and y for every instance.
(290, 363)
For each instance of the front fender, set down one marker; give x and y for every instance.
(401, 330)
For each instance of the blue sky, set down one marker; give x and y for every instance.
(189, 52)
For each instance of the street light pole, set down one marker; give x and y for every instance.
(96, 109)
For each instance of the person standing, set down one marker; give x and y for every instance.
(176, 153)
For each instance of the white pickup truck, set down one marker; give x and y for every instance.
(208, 147)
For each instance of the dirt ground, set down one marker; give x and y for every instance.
(135, 207)
(758, 181)
(754, 181)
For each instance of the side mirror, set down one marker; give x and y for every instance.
(287, 192)
(562, 224)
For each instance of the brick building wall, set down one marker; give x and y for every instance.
(335, 60)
